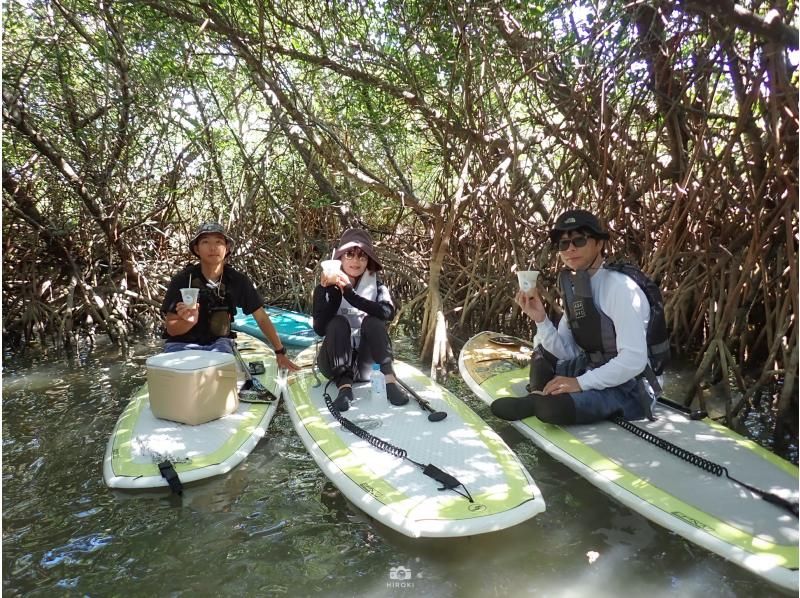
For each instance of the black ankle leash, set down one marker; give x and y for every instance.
(447, 481)
(703, 463)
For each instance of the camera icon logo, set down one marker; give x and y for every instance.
(400, 573)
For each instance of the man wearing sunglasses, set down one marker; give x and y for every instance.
(588, 367)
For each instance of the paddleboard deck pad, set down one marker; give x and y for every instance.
(711, 511)
(497, 491)
(294, 329)
(140, 441)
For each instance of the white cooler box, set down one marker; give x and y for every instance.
(192, 387)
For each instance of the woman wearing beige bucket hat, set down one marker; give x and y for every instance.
(205, 322)
(352, 308)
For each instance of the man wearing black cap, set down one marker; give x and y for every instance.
(587, 368)
(352, 308)
(206, 324)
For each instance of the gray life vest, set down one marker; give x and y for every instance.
(367, 287)
(594, 331)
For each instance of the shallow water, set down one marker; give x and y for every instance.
(275, 526)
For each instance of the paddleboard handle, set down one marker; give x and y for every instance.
(509, 341)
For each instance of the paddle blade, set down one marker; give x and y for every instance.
(252, 391)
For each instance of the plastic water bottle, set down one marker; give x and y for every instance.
(378, 382)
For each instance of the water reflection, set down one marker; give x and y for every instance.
(276, 526)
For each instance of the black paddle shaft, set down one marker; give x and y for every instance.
(435, 416)
(251, 382)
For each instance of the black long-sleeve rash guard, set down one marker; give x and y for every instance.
(328, 299)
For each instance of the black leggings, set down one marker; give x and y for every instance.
(338, 361)
(543, 368)
(552, 409)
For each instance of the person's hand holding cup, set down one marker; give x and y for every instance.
(527, 281)
(331, 272)
(188, 308)
(528, 296)
(189, 296)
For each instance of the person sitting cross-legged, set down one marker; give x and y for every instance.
(590, 366)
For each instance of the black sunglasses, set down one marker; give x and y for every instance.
(578, 242)
(355, 254)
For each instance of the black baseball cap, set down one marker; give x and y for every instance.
(577, 219)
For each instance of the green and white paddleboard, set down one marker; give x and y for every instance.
(711, 511)
(392, 489)
(140, 441)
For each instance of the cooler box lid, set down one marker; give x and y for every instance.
(189, 361)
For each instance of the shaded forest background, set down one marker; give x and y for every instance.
(454, 131)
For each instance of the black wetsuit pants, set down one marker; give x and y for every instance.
(553, 409)
(340, 362)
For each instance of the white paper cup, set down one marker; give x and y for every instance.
(190, 296)
(527, 280)
(331, 266)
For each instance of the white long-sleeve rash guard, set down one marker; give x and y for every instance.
(620, 298)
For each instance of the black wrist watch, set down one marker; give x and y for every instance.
(281, 351)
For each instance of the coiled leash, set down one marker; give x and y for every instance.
(703, 463)
(447, 481)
